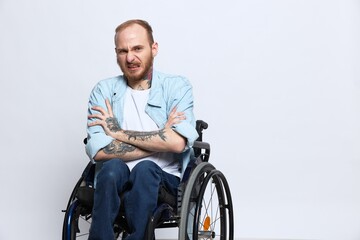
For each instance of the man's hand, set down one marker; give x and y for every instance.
(106, 119)
(174, 118)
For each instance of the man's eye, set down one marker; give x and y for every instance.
(138, 49)
(121, 52)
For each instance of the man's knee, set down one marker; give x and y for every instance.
(145, 166)
(145, 169)
(113, 170)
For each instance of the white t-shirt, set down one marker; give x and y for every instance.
(135, 118)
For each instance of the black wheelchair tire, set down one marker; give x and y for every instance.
(192, 205)
(68, 210)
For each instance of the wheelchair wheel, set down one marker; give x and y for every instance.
(206, 210)
(77, 222)
(77, 218)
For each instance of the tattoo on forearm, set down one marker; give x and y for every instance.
(144, 136)
(118, 148)
(113, 124)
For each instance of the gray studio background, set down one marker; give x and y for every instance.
(278, 81)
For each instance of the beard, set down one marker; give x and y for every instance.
(139, 75)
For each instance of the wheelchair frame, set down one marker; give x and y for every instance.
(195, 213)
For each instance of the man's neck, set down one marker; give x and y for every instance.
(143, 84)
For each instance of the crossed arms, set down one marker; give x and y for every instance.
(131, 145)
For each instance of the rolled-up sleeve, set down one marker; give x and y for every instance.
(188, 131)
(96, 137)
(96, 142)
(184, 102)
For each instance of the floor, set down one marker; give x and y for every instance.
(253, 239)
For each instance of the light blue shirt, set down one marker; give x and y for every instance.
(167, 91)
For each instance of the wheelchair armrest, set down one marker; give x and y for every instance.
(201, 145)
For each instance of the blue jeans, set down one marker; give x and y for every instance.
(141, 187)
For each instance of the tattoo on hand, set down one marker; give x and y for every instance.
(144, 136)
(113, 124)
(118, 148)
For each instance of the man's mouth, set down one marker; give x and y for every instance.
(133, 67)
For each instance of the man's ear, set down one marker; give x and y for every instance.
(154, 49)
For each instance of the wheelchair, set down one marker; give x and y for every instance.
(202, 209)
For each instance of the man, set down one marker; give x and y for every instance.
(141, 129)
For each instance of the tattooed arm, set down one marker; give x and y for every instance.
(163, 140)
(131, 145)
(119, 149)
(125, 151)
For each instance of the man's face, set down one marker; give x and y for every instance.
(134, 53)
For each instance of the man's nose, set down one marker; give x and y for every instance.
(130, 57)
